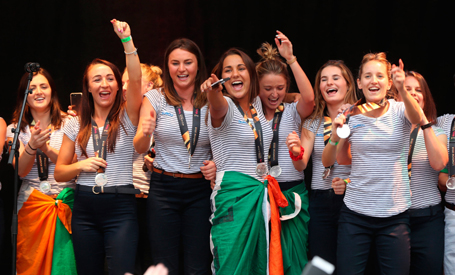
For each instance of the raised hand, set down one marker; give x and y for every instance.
(207, 85)
(293, 143)
(285, 47)
(149, 124)
(38, 136)
(338, 185)
(122, 29)
(209, 170)
(398, 75)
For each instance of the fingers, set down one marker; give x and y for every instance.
(207, 85)
(401, 64)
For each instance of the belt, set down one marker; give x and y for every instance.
(425, 212)
(122, 189)
(142, 195)
(178, 175)
(451, 206)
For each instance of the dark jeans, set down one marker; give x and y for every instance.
(178, 219)
(104, 225)
(356, 234)
(324, 212)
(143, 255)
(427, 240)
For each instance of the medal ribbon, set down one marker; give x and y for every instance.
(100, 143)
(273, 151)
(412, 142)
(451, 166)
(190, 142)
(359, 108)
(327, 134)
(259, 143)
(43, 165)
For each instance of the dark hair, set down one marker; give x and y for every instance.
(88, 109)
(250, 66)
(55, 110)
(272, 64)
(172, 98)
(429, 108)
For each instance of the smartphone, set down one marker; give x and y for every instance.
(318, 266)
(76, 102)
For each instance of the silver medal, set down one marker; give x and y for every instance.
(101, 179)
(262, 169)
(44, 187)
(344, 131)
(275, 171)
(326, 173)
(451, 183)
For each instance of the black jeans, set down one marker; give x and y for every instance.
(356, 234)
(324, 212)
(178, 212)
(104, 225)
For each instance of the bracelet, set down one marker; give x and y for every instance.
(299, 157)
(135, 52)
(347, 181)
(126, 39)
(428, 125)
(31, 147)
(445, 171)
(333, 143)
(294, 59)
(29, 153)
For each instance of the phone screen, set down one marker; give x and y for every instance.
(76, 100)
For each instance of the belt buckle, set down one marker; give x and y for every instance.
(174, 175)
(96, 193)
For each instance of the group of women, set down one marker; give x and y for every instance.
(376, 162)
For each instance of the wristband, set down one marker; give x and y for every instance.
(428, 125)
(445, 171)
(294, 59)
(333, 143)
(126, 39)
(134, 52)
(347, 181)
(299, 157)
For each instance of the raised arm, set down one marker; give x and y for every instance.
(218, 104)
(413, 112)
(133, 66)
(306, 102)
(146, 126)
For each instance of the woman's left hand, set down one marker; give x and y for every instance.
(285, 47)
(209, 170)
(122, 29)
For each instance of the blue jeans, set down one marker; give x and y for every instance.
(104, 225)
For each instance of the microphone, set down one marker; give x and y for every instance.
(32, 67)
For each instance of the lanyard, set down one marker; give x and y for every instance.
(451, 166)
(43, 165)
(273, 152)
(257, 130)
(358, 108)
(412, 142)
(190, 142)
(100, 143)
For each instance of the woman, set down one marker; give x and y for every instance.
(334, 86)
(240, 136)
(178, 205)
(378, 195)
(285, 119)
(40, 139)
(151, 79)
(104, 217)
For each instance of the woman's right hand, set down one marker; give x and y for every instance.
(149, 124)
(38, 136)
(338, 185)
(207, 85)
(92, 164)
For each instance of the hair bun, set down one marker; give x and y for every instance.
(267, 52)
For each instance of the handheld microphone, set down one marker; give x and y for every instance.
(32, 67)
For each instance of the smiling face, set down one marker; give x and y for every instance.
(239, 84)
(272, 89)
(41, 97)
(333, 85)
(374, 81)
(102, 85)
(183, 68)
(412, 85)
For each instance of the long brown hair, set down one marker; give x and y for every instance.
(55, 111)
(320, 104)
(429, 108)
(88, 109)
(250, 66)
(171, 95)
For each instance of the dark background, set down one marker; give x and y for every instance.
(64, 36)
